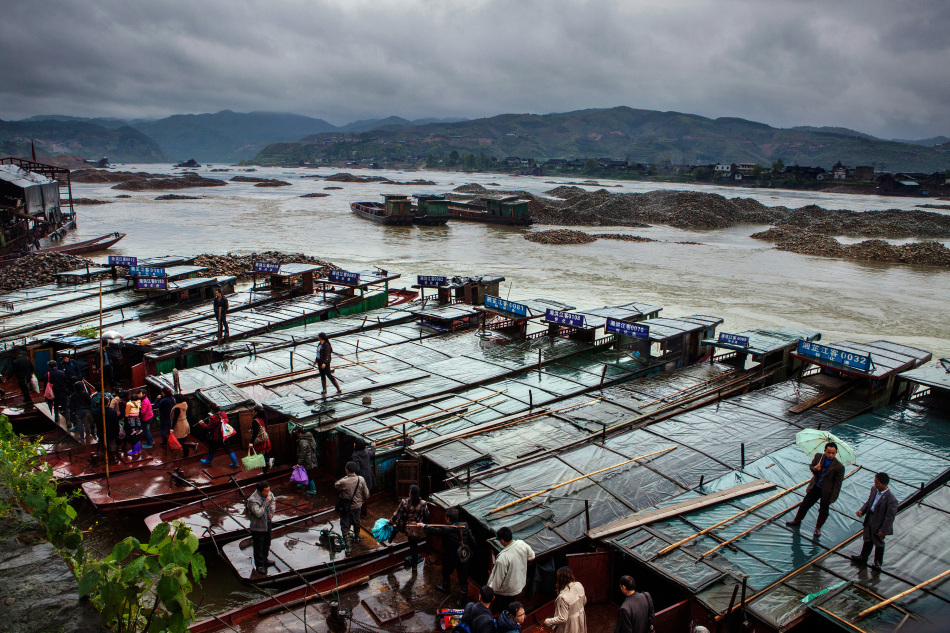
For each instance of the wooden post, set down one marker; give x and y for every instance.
(603, 375)
(539, 360)
(587, 513)
(742, 454)
(531, 404)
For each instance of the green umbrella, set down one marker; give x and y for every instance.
(813, 441)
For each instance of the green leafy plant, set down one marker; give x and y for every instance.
(88, 332)
(150, 590)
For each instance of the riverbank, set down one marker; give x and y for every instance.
(38, 591)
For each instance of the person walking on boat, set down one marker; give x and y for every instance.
(307, 456)
(260, 440)
(219, 433)
(353, 494)
(107, 427)
(453, 537)
(220, 305)
(261, 507)
(510, 572)
(324, 354)
(569, 615)
(363, 456)
(180, 426)
(23, 370)
(71, 370)
(878, 512)
(824, 486)
(408, 515)
(165, 405)
(111, 357)
(56, 379)
(146, 417)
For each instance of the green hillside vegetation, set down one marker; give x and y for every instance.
(82, 138)
(639, 136)
(228, 136)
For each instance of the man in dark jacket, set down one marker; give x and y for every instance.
(57, 378)
(363, 456)
(452, 538)
(261, 507)
(23, 370)
(824, 486)
(220, 305)
(511, 619)
(636, 612)
(80, 405)
(71, 369)
(878, 512)
(477, 615)
(107, 429)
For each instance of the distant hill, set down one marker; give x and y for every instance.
(926, 142)
(645, 136)
(122, 144)
(228, 136)
(841, 131)
(390, 123)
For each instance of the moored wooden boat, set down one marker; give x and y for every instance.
(220, 519)
(376, 212)
(153, 488)
(76, 248)
(509, 211)
(401, 296)
(431, 210)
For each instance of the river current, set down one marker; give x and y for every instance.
(744, 281)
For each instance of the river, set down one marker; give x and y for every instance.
(744, 281)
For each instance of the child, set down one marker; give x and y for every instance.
(132, 409)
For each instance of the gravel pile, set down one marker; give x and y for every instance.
(175, 196)
(89, 201)
(187, 180)
(795, 240)
(99, 176)
(37, 269)
(315, 195)
(261, 182)
(623, 238)
(345, 177)
(560, 236)
(241, 265)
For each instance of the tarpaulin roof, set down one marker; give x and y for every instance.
(635, 310)
(21, 177)
(707, 442)
(448, 312)
(536, 308)
(909, 441)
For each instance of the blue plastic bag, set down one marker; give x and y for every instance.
(382, 531)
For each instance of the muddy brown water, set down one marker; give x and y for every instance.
(727, 274)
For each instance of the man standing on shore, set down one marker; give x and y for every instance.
(824, 486)
(878, 512)
(220, 305)
(510, 573)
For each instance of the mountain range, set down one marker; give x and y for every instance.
(645, 136)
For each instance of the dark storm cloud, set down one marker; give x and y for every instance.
(873, 66)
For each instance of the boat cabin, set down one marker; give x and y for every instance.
(508, 207)
(36, 205)
(83, 275)
(448, 318)
(772, 349)
(591, 325)
(871, 369)
(281, 277)
(514, 316)
(428, 205)
(470, 290)
(396, 204)
(364, 290)
(677, 342)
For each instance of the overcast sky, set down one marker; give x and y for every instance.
(874, 66)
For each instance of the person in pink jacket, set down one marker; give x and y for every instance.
(146, 417)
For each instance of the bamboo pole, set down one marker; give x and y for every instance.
(758, 525)
(902, 594)
(836, 397)
(596, 472)
(433, 414)
(438, 422)
(675, 545)
(699, 384)
(840, 619)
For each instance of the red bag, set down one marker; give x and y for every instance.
(48, 392)
(173, 443)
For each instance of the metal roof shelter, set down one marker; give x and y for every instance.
(909, 441)
(533, 308)
(40, 193)
(471, 290)
(629, 312)
(709, 442)
(449, 317)
(764, 342)
(935, 376)
(175, 273)
(81, 275)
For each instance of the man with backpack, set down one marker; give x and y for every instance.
(636, 612)
(453, 537)
(477, 617)
(353, 494)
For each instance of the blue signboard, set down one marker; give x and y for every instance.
(564, 318)
(344, 276)
(266, 267)
(734, 339)
(636, 330)
(120, 260)
(146, 271)
(151, 283)
(431, 281)
(497, 303)
(834, 355)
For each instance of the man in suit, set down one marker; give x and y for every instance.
(824, 486)
(878, 512)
